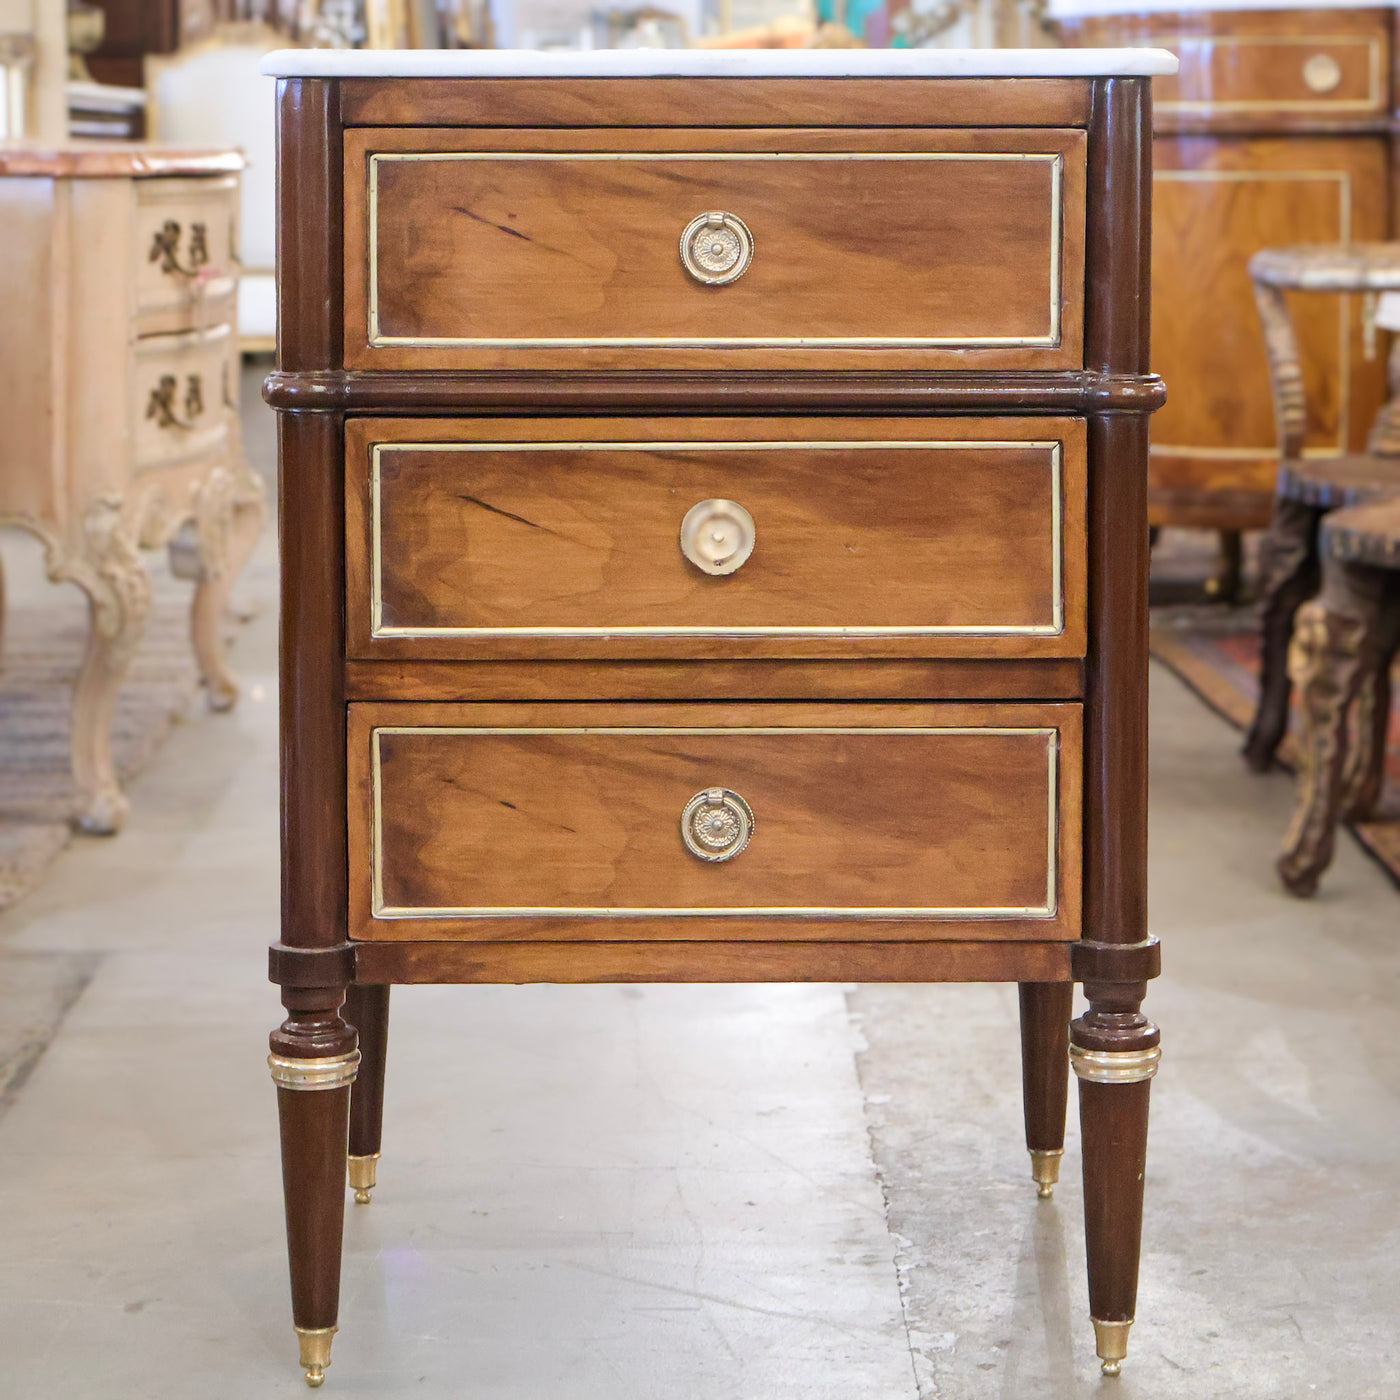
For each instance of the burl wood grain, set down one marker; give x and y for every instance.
(928, 238)
(978, 822)
(1216, 204)
(974, 526)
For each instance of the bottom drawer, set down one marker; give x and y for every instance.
(784, 822)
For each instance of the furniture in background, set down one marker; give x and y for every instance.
(1309, 487)
(211, 94)
(714, 555)
(121, 377)
(1276, 131)
(1344, 644)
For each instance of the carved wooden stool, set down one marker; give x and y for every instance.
(1307, 490)
(1343, 647)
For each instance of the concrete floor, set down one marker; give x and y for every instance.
(705, 1193)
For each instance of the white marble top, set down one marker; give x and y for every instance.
(1079, 9)
(719, 63)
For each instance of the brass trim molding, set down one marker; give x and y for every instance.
(1054, 628)
(380, 910)
(1115, 1066)
(327, 1072)
(1050, 340)
(1374, 101)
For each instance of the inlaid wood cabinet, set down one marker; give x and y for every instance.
(714, 553)
(1275, 132)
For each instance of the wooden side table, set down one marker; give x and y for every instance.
(1308, 487)
(1344, 645)
(119, 284)
(714, 548)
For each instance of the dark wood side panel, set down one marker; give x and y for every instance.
(737, 680)
(711, 962)
(1117, 340)
(658, 102)
(312, 523)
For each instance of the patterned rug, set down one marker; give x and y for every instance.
(1216, 652)
(43, 648)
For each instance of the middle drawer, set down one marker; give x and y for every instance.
(469, 539)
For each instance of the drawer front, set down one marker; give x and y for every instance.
(1262, 74)
(186, 247)
(180, 394)
(555, 248)
(933, 537)
(785, 822)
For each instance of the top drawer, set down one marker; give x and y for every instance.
(763, 249)
(186, 249)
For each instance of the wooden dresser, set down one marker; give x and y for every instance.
(1277, 131)
(119, 363)
(714, 548)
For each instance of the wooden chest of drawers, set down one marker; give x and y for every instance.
(714, 542)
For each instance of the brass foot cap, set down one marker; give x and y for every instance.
(1111, 1343)
(315, 1345)
(362, 1172)
(1045, 1170)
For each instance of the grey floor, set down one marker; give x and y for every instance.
(705, 1193)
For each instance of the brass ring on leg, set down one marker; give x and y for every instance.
(315, 1345)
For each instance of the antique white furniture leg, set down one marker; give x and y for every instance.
(229, 513)
(110, 571)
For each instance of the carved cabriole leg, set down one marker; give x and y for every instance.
(110, 571)
(1045, 1013)
(367, 1010)
(1363, 775)
(1289, 577)
(314, 1060)
(1334, 642)
(228, 516)
(1114, 1051)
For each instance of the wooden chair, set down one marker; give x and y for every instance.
(1308, 488)
(1344, 644)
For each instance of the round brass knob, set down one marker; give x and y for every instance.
(1322, 72)
(716, 249)
(716, 824)
(717, 536)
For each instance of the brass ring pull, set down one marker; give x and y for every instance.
(718, 536)
(716, 248)
(1322, 72)
(716, 824)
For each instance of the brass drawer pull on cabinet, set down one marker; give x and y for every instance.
(716, 824)
(716, 248)
(1322, 72)
(718, 536)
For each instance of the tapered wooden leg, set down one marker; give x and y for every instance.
(1045, 1013)
(1114, 1051)
(1288, 578)
(367, 1009)
(313, 1061)
(1225, 582)
(1334, 645)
